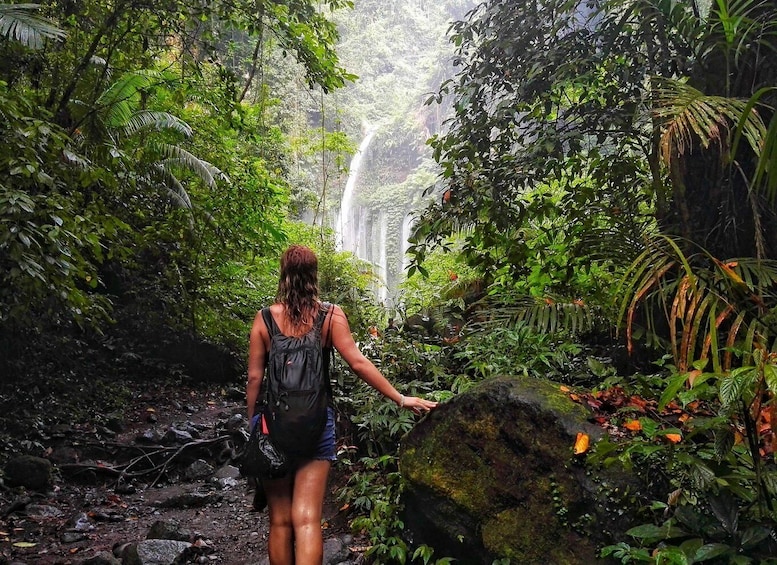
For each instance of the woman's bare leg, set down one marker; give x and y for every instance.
(279, 501)
(307, 505)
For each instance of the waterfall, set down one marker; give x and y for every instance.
(382, 257)
(347, 228)
(362, 225)
(407, 227)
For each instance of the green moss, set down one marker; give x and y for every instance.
(508, 466)
(533, 535)
(518, 533)
(431, 466)
(553, 398)
(484, 429)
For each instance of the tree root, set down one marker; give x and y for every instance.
(149, 455)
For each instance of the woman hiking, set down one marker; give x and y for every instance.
(296, 500)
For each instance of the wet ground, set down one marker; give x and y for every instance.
(92, 508)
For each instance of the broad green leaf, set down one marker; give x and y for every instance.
(655, 533)
(711, 551)
(732, 387)
(754, 535)
(670, 393)
(770, 375)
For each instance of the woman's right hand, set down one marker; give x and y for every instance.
(417, 405)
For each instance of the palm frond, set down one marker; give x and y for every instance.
(180, 197)
(176, 157)
(174, 188)
(705, 301)
(543, 315)
(18, 22)
(157, 121)
(121, 100)
(689, 115)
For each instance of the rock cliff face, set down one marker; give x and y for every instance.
(492, 474)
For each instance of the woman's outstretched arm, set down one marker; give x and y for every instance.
(343, 341)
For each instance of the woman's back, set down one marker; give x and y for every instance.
(278, 311)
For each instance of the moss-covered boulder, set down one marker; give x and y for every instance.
(493, 474)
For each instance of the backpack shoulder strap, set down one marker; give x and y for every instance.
(327, 349)
(272, 329)
(269, 322)
(322, 312)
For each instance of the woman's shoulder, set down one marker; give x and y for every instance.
(276, 308)
(335, 309)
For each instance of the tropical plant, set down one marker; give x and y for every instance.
(718, 316)
(518, 349)
(21, 23)
(125, 123)
(374, 490)
(719, 487)
(374, 425)
(650, 117)
(706, 307)
(577, 109)
(444, 280)
(106, 195)
(53, 240)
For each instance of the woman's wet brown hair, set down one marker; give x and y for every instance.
(298, 287)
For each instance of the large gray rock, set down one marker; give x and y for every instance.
(34, 473)
(154, 552)
(168, 530)
(492, 474)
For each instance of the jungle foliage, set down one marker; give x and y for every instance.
(617, 156)
(135, 170)
(607, 184)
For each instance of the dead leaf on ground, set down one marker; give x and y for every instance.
(581, 443)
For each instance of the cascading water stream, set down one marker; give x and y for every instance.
(347, 228)
(382, 256)
(407, 228)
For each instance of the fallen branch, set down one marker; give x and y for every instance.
(123, 472)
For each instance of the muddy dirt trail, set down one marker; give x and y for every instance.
(166, 463)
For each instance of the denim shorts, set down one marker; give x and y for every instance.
(326, 446)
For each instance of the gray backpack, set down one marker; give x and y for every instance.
(297, 388)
